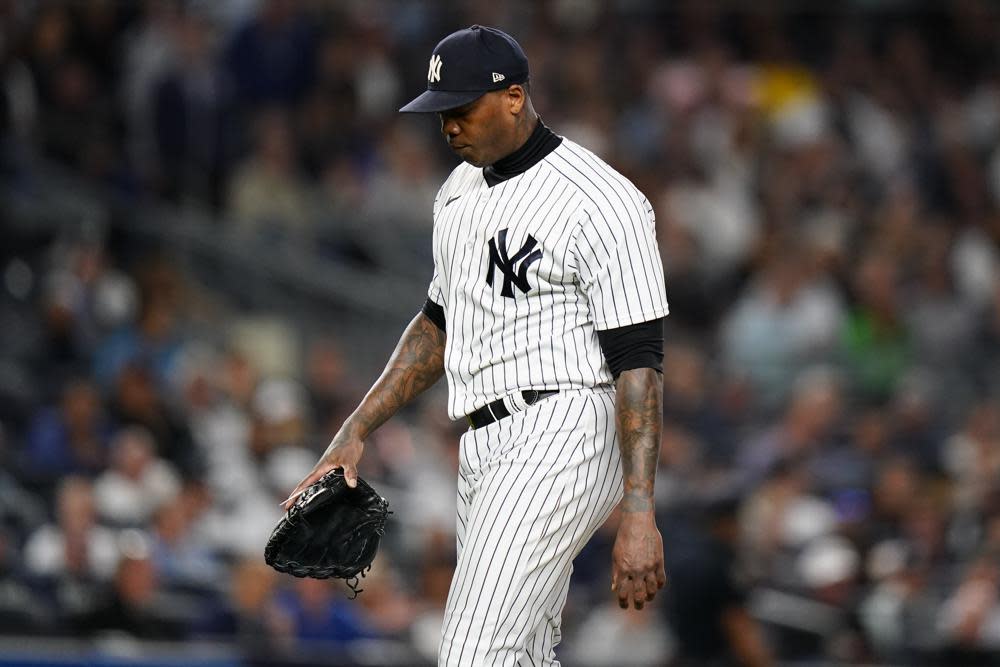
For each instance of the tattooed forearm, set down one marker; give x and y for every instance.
(415, 365)
(639, 416)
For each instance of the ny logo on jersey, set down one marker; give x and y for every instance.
(434, 69)
(500, 260)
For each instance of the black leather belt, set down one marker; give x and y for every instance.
(497, 410)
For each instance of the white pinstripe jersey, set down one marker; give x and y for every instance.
(529, 270)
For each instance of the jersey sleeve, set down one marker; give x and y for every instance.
(435, 291)
(619, 264)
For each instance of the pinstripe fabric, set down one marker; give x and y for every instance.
(532, 490)
(599, 269)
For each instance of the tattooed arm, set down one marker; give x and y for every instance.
(415, 365)
(637, 561)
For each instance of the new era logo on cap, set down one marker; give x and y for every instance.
(480, 59)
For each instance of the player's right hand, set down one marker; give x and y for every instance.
(637, 571)
(344, 451)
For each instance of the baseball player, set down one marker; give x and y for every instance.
(545, 313)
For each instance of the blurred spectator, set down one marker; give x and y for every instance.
(692, 305)
(280, 424)
(137, 483)
(149, 49)
(320, 610)
(434, 580)
(690, 401)
(720, 213)
(779, 518)
(272, 57)
(18, 97)
(249, 466)
(192, 117)
(970, 617)
(20, 510)
(829, 570)
(135, 605)
(611, 635)
(876, 340)
(386, 603)
(75, 545)
(784, 321)
(240, 376)
(942, 322)
(804, 430)
(85, 299)
(421, 460)
(154, 339)
(972, 456)
(917, 424)
(268, 199)
(896, 485)
(706, 603)
(850, 467)
(70, 439)
(898, 615)
(401, 192)
(69, 102)
(262, 628)
(137, 402)
(340, 196)
(280, 417)
(21, 610)
(681, 468)
(329, 383)
(221, 431)
(180, 556)
(975, 262)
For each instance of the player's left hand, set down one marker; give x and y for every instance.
(637, 570)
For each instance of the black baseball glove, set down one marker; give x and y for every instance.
(332, 530)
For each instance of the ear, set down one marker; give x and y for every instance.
(516, 97)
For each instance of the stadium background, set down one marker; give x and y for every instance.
(215, 225)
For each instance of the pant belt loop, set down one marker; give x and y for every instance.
(515, 402)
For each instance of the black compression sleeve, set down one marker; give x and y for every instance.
(635, 346)
(434, 312)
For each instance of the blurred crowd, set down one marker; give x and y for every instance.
(827, 191)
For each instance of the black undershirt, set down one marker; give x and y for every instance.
(541, 142)
(635, 346)
(625, 348)
(434, 312)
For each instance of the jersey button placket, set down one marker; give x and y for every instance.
(484, 197)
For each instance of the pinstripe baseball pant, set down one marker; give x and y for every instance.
(532, 489)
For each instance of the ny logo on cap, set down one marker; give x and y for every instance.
(434, 71)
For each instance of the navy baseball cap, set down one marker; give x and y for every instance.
(468, 63)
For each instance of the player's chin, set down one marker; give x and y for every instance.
(469, 155)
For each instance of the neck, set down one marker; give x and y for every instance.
(526, 124)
